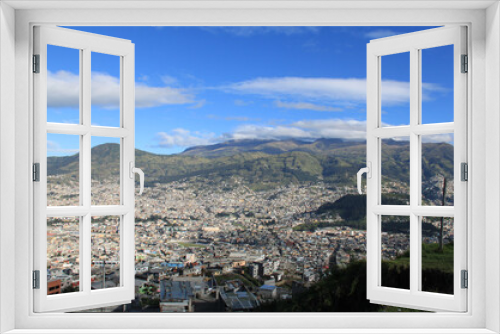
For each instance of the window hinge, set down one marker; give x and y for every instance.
(465, 279)
(464, 171)
(36, 279)
(465, 64)
(36, 172)
(36, 63)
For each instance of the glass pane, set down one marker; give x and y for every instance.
(395, 90)
(395, 251)
(437, 254)
(105, 252)
(437, 169)
(63, 85)
(395, 171)
(437, 84)
(105, 171)
(63, 255)
(63, 170)
(105, 90)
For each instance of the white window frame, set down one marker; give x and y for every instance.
(86, 44)
(483, 21)
(414, 43)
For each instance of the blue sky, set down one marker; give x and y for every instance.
(203, 85)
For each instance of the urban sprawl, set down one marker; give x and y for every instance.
(201, 247)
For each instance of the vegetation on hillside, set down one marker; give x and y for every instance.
(352, 211)
(264, 164)
(344, 289)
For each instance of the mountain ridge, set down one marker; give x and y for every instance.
(269, 146)
(264, 164)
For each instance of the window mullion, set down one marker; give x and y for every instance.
(414, 170)
(66, 211)
(418, 131)
(85, 158)
(86, 165)
(109, 210)
(68, 129)
(434, 129)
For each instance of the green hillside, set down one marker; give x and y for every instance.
(344, 289)
(262, 164)
(352, 211)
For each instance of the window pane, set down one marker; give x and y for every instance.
(105, 252)
(105, 171)
(63, 85)
(437, 254)
(437, 169)
(63, 255)
(395, 171)
(395, 251)
(395, 90)
(63, 170)
(105, 90)
(437, 84)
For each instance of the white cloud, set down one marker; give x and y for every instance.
(242, 103)
(306, 129)
(440, 138)
(234, 118)
(241, 119)
(184, 138)
(169, 80)
(315, 88)
(395, 92)
(381, 33)
(433, 88)
(105, 90)
(334, 128)
(198, 104)
(53, 146)
(63, 91)
(246, 31)
(305, 106)
(268, 132)
(326, 89)
(340, 90)
(147, 96)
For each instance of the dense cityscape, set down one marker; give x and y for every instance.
(202, 247)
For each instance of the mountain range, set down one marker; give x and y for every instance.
(264, 164)
(272, 147)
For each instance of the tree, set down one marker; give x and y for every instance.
(441, 234)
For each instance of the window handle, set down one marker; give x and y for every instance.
(133, 170)
(368, 171)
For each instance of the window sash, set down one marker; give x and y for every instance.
(413, 43)
(85, 298)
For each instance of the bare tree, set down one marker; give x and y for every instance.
(441, 234)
